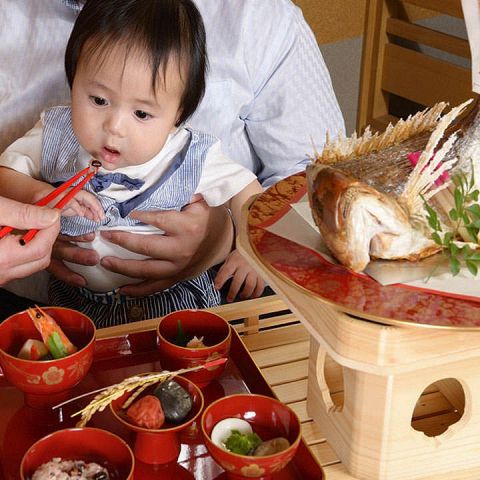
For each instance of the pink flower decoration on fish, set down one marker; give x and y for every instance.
(414, 156)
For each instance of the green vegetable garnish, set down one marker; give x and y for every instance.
(180, 339)
(56, 346)
(243, 444)
(465, 215)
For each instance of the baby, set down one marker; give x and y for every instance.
(136, 69)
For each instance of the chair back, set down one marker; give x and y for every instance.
(407, 66)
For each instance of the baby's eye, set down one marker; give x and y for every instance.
(98, 101)
(142, 115)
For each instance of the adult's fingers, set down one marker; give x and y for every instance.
(24, 216)
(224, 273)
(18, 261)
(144, 269)
(171, 221)
(253, 286)
(143, 244)
(237, 282)
(59, 270)
(64, 250)
(69, 252)
(87, 237)
(146, 288)
(259, 288)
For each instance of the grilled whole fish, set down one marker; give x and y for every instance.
(366, 196)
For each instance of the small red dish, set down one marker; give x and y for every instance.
(269, 418)
(160, 446)
(87, 444)
(46, 383)
(217, 336)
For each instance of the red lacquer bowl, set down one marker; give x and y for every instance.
(46, 383)
(217, 336)
(160, 446)
(269, 418)
(88, 444)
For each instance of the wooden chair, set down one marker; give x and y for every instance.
(397, 78)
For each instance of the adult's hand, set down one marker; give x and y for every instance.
(18, 261)
(195, 239)
(65, 250)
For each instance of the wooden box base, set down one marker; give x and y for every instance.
(370, 426)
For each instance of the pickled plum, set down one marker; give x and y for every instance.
(147, 412)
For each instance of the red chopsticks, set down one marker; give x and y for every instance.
(54, 194)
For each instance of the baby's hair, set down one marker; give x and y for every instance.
(165, 30)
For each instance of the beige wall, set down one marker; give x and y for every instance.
(329, 20)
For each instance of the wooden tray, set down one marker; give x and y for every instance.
(338, 287)
(115, 359)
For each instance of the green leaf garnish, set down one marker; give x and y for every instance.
(181, 338)
(243, 444)
(466, 216)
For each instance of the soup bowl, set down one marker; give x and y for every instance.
(46, 382)
(216, 333)
(268, 417)
(87, 444)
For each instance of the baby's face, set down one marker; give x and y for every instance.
(116, 116)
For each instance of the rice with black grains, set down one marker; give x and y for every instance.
(59, 469)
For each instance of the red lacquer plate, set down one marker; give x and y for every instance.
(114, 360)
(354, 294)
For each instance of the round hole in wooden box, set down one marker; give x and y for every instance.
(440, 405)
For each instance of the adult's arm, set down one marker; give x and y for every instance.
(17, 261)
(294, 105)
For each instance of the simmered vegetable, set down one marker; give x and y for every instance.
(33, 350)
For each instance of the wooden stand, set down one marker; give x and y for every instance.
(384, 371)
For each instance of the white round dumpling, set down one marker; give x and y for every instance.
(223, 429)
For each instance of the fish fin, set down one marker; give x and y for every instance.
(342, 148)
(430, 166)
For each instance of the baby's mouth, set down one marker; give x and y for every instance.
(111, 150)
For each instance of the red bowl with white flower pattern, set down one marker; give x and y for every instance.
(268, 417)
(87, 444)
(214, 329)
(46, 383)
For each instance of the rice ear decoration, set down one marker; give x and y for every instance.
(103, 399)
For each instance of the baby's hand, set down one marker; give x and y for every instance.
(84, 204)
(243, 274)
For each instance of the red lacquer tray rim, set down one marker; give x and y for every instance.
(115, 346)
(274, 202)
